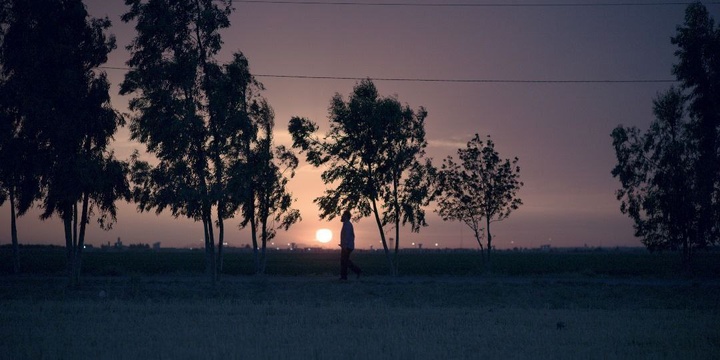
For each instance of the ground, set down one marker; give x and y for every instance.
(375, 317)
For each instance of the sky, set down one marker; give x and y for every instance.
(559, 131)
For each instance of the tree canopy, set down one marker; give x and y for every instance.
(60, 114)
(372, 154)
(193, 114)
(481, 186)
(670, 176)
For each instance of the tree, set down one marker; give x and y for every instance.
(269, 202)
(655, 172)
(482, 186)
(670, 176)
(19, 170)
(698, 71)
(373, 153)
(19, 179)
(191, 113)
(62, 113)
(19, 173)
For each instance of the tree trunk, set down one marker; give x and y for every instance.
(397, 226)
(396, 259)
(206, 236)
(75, 227)
(382, 238)
(13, 233)
(77, 258)
(263, 256)
(221, 239)
(479, 241)
(489, 245)
(67, 224)
(253, 236)
(211, 246)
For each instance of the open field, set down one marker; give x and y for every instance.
(440, 310)
(604, 263)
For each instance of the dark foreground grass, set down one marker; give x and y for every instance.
(376, 317)
(608, 263)
(159, 305)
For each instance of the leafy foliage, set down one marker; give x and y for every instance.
(197, 117)
(482, 186)
(269, 204)
(670, 175)
(372, 154)
(655, 173)
(61, 119)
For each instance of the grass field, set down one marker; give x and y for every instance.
(539, 306)
(51, 261)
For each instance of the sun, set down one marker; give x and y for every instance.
(323, 235)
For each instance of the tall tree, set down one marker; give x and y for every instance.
(191, 112)
(373, 153)
(655, 172)
(269, 202)
(482, 186)
(698, 71)
(51, 54)
(670, 175)
(19, 171)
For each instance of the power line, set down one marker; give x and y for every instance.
(440, 80)
(475, 81)
(465, 5)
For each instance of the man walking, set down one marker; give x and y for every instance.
(347, 245)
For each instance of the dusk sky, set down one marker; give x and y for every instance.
(559, 131)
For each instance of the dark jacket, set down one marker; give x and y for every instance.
(347, 236)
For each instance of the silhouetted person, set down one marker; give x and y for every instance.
(347, 245)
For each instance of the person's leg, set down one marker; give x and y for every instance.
(352, 266)
(344, 259)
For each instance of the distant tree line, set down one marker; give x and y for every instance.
(209, 134)
(670, 175)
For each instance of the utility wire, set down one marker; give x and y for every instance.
(439, 80)
(488, 81)
(466, 5)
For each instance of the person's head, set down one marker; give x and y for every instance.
(345, 216)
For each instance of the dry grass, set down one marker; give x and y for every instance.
(374, 318)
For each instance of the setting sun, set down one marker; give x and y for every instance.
(323, 235)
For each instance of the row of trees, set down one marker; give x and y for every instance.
(206, 124)
(374, 154)
(670, 175)
(57, 120)
(209, 132)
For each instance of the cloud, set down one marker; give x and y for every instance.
(282, 137)
(451, 143)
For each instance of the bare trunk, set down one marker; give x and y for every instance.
(397, 226)
(382, 238)
(210, 243)
(221, 239)
(75, 227)
(479, 241)
(253, 236)
(396, 260)
(489, 245)
(77, 258)
(13, 233)
(206, 236)
(263, 255)
(67, 225)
